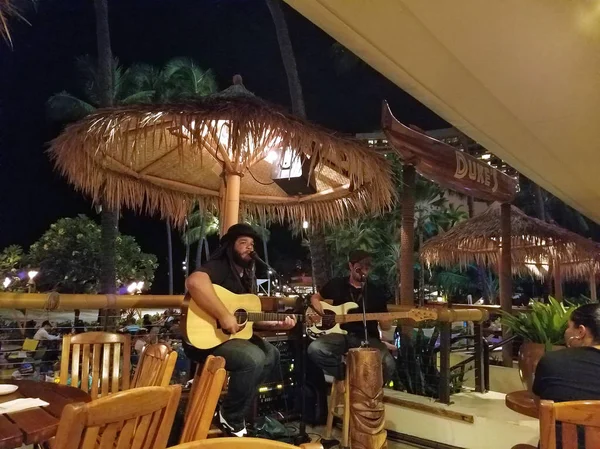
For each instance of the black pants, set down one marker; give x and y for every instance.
(248, 363)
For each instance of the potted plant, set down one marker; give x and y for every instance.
(542, 329)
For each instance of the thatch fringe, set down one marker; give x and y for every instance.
(535, 245)
(110, 154)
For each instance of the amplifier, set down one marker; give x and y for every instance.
(277, 395)
(276, 400)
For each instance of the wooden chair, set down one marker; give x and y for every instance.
(106, 356)
(570, 415)
(243, 443)
(155, 367)
(138, 419)
(339, 407)
(204, 396)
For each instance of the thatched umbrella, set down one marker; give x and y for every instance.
(229, 151)
(535, 244)
(8, 10)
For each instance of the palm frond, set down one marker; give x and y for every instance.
(64, 107)
(142, 97)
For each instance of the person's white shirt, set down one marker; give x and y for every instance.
(42, 334)
(139, 345)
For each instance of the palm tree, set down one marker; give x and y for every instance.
(103, 84)
(320, 262)
(180, 79)
(67, 107)
(201, 224)
(109, 218)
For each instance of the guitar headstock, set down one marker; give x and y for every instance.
(423, 314)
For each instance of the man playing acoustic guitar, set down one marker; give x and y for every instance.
(328, 349)
(247, 361)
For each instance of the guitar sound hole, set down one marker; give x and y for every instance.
(241, 316)
(327, 320)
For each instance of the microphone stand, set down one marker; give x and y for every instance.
(302, 436)
(363, 293)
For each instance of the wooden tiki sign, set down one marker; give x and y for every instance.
(367, 413)
(447, 166)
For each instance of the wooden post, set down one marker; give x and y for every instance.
(506, 278)
(231, 205)
(593, 294)
(558, 291)
(407, 236)
(367, 412)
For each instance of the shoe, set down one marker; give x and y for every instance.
(232, 431)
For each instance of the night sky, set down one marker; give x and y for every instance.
(229, 37)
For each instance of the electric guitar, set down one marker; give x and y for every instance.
(333, 316)
(204, 332)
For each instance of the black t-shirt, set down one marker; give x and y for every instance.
(571, 374)
(221, 273)
(340, 291)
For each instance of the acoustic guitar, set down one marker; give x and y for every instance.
(333, 316)
(204, 332)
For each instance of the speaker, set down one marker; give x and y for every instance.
(292, 173)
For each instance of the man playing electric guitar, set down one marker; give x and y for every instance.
(247, 361)
(328, 349)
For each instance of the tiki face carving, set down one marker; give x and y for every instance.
(367, 413)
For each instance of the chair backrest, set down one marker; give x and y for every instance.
(155, 367)
(243, 443)
(30, 344)
(104, 356)
(570, 415)
(206, 389)
(138, 419)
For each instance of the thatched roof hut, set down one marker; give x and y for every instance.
(162, 158)
(535, 245)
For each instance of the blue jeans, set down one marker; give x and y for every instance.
(327, 351)
(248, 363)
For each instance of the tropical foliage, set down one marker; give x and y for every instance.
(68, 258)
(545, 323)
(12, 260)
(433, 214)
(128, 89)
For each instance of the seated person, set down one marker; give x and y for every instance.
(326, 352)
(43, 332)
(248, 362)
(572, 374)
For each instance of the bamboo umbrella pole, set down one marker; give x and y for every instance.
(558, 291)
(231, 211)
(505, 278)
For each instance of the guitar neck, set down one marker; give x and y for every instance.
(352, 317)
(269, 316)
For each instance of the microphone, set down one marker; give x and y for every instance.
(254, 255)
(363, 276)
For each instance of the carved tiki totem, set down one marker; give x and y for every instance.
(367, 414)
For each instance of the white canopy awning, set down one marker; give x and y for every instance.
(521, 77)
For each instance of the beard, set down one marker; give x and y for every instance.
(239, 261)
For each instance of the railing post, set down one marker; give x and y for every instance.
(479, 359)
(445, 343)
(486, 365)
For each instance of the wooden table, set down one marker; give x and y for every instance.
(522, 402)
(39, 424)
